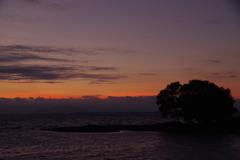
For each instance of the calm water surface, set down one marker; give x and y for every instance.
(20, 138)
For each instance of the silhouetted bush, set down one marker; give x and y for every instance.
(200, 101)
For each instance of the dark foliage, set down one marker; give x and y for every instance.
(168, 100)
(200, 101)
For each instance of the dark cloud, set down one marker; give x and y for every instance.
(233, 76)
(40, 49)
(50, 74)
(85, 104)
(93, 68)
(34, 72)
(91, 97)
(15, 65)
(59, 50)
(101, 49)
(111, 50)
(214, 61)
(96, 82)
(16, 57)
(223, 75)
(85, 61)
(148, 74)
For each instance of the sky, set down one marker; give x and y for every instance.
(58, 49)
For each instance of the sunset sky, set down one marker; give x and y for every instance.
(75, 48)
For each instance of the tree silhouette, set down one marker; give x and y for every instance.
(198, 100)
(168, 100)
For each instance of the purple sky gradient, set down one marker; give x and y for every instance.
(72, 48)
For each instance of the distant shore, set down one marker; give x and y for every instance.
(212, 128)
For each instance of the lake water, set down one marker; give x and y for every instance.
(21, 138)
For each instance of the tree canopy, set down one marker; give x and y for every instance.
(200, 101)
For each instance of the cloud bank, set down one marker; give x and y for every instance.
(87, 103)
(84, 104)
(42, 49)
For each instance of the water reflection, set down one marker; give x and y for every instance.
(199, 147)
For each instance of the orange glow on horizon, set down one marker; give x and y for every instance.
(58, 95)
(49, 95)
(53, 95)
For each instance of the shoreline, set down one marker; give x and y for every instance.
(212, 128)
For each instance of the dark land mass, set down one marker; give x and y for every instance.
(212, 128)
